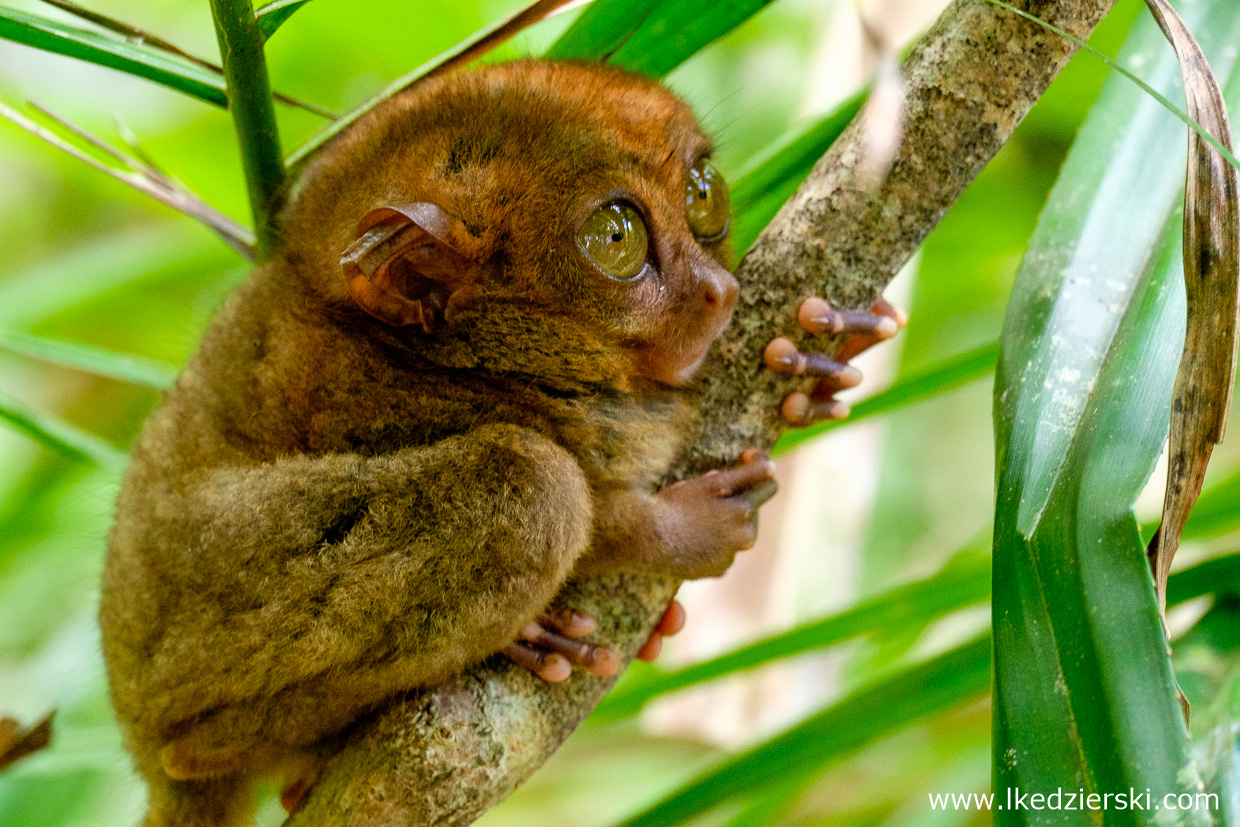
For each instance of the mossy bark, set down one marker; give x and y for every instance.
(445, 756)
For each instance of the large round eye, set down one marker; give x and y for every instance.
(706, 202)
(615, 240)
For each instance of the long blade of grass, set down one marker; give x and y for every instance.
(254, 117)
(462, 53)
(931, 381)
(134, 34)
(650, 36)
(961, 584)
(774, 175)
(97, 361)
(144, 62)
(1118, 67)
(881, 707)
(157, 187)
(870, 713)
(1085, 697)
(1218, 575)
(1212, 279)
(58, 435)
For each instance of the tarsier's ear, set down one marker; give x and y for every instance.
(406, 261)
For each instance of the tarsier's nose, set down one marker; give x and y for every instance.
(720, 289)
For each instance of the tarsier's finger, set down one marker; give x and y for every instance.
(570, 622)
(756, 495)
(601, 661)
(549, 666)
(819, 317)
(755, 470)
(799, 409)
(860, 342)
(651, 648)
(782, 356)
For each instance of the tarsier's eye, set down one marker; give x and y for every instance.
(706, 202)
(615, 239)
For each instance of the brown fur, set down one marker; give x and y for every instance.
(328, 510)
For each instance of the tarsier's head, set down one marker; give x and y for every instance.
(552, 188)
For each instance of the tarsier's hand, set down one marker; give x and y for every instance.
(708, 519)
(863, 329)
(702, 523)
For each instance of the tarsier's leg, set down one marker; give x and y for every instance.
(212, 802)
(863, 330)
(321, 585)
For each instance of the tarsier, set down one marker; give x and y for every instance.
(456, 383)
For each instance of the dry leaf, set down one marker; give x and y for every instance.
(1212, 278)
(16, 743)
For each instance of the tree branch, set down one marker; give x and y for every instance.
(446, 755)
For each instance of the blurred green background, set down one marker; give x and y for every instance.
(84, 259)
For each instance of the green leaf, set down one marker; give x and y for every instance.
(273, 15)
(881, 707)
(1084, 694)
(58, 435)
(933, 380)
(963, 582)
(151, 64)
(774, 175)
(650, 36)
(98, 361)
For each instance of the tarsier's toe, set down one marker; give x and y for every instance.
(547, 647)
(799, 409)
(549, 666)
(671, 623)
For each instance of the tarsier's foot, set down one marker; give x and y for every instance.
(863, 328)
(604, 661)
(549, 648)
